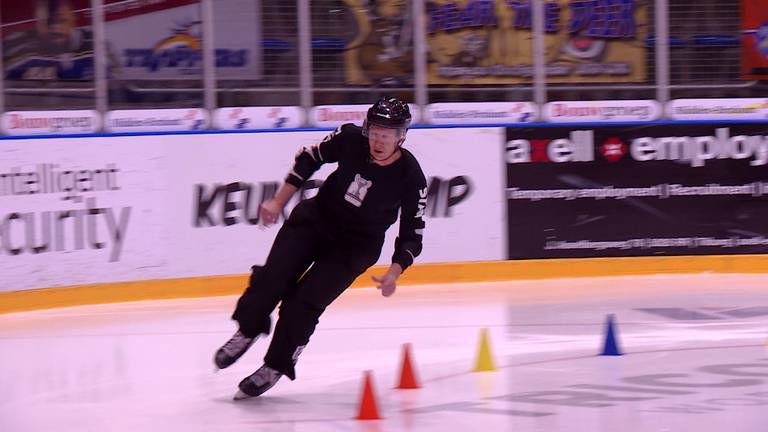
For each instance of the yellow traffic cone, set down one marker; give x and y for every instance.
(484, 361)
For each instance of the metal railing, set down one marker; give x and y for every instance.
(691, 50)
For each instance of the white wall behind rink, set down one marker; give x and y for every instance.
(119, 208)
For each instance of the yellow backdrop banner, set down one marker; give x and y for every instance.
(490, 41)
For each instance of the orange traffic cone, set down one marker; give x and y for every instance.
(407, 375)
(368, 407)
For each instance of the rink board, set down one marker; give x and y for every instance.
(123, 217)
(114, 209)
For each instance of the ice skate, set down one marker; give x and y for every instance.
(232, 350)
(260, 381)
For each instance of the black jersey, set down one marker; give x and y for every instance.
(364, 197)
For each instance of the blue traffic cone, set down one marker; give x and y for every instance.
(610, 347)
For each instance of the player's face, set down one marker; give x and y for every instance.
(383, 141)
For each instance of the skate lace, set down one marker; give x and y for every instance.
(236, 344)
(265, 375)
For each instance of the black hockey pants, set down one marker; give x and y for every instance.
(307, 268)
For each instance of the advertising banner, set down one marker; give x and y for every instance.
(490, 42)
(602, 111)
(157, 120)
(50, 122)
(637, 191)
(754, 53)
(718, 109)
(465, 211)
(331, 116)
(120, 208)
(215, 212)
(80, 211)
(259, 117)
(480, 113)
(157, 39)
(216, 208)
(169, 44)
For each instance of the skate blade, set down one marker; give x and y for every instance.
(240, 396)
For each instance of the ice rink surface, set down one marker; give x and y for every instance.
(695, 360)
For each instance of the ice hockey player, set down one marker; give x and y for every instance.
(331, 239)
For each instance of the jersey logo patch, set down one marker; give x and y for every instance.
(357, 190)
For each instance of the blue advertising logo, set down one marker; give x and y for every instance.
(182, 50)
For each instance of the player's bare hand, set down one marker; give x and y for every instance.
(269, 212)
(388, 282)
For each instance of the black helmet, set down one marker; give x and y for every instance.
(389, 112)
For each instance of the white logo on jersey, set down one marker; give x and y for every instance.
(422, 203)
(332, 134)
(357, 190)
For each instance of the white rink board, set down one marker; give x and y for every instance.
(475, 228)
(131, 230)
(472, 232)
(250, 159)
(152, 204)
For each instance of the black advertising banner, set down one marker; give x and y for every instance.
(629, 190)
